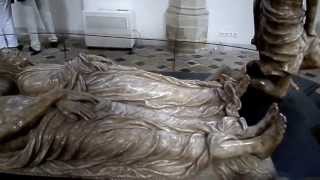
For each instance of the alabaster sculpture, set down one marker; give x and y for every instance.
(285, 35)
(91, 118)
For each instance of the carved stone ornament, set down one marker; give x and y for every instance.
(93, 119)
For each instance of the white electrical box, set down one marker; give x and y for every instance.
(109, 28)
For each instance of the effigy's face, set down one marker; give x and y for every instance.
(13, 64)
(22, 62)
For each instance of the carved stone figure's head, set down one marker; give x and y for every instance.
(11, 65)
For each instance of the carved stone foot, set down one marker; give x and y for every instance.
(273, 136)
(277, 84)
(263, 125)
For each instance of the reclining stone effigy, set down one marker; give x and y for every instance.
(92, 118)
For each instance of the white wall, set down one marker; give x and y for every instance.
(230, 21)
(150, 15)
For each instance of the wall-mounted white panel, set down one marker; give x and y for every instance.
(92, 5)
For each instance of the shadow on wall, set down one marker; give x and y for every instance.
(60, 15)
(67, 16)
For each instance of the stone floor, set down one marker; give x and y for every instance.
(157, 57)
(153, 58)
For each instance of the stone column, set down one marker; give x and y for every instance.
(187, 21)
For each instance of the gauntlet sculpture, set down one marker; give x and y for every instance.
(286, 38)
(91, 118)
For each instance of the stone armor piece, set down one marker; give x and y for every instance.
(286, 39)
(91, 118)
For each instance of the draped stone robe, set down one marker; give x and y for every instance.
(146, 124)
(280, 33)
